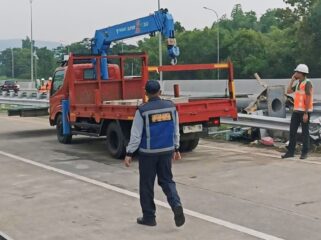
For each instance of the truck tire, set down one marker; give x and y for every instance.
(65, 139)
(183, 146)
(188, 145)
(115, 140)
(192, 144)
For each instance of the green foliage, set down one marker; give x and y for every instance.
(44, 61)
(271, 45)
(247, 50)
(178, 27)
(301, 7)
(26, 43)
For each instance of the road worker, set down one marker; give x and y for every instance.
(155, 133)
(48, 84)
(303, 106)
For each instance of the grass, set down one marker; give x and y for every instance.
(4, 107)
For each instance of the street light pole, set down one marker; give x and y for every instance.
(218, 38)
(31, 39)
(160, 51)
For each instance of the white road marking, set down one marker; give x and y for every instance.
(195, 214)
(260, 154)
(5, 236)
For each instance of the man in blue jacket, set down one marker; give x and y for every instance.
(155, 133)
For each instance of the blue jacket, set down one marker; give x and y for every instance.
(155, 128)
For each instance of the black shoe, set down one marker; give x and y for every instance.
(142, 221)
(304, 156)
(287, 155)
(179, 216)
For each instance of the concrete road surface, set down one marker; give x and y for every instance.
(230, 191)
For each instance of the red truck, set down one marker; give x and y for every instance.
(99, 107)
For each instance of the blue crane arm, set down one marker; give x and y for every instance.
(160, 21)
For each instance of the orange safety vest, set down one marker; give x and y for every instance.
(300, 98)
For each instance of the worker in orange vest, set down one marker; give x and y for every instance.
(303, 106)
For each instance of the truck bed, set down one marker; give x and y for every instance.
(189, 109)
(118, 97)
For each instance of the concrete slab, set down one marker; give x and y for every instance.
(251, 187)
(39, 204)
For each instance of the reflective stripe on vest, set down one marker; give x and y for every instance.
(300, 97)
(159, 130)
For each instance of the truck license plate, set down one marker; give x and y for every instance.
(193, 128)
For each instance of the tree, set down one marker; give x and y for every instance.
(248, 53)
(281, 49)
(6, 62)
(46, 63)
(309, 40)
(302, 7)
(26, 43)
(269, 19)
(242, 19)
(82, 47)
(179, 28)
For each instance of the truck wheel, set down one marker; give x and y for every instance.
(188, 145)
(183, 146)
(115, 141)
(192, 144)
(65, 139)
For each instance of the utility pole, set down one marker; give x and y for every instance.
(160, 51)
(31, 39)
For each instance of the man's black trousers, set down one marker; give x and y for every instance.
(296, 121)
(150, 166)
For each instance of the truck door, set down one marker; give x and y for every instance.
(57, 81)
(57, 93)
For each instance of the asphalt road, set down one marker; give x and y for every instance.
(230, 191)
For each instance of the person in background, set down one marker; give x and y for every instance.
(302, 88)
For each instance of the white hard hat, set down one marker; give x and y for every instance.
(302, 68)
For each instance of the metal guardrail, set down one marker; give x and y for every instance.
(25, 97)
(272, 123)
(24, 101)
(265, 122)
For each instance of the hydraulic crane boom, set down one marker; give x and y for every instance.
(160, 21)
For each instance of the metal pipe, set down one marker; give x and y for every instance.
(176, 91)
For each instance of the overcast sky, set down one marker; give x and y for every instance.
(68, 21)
